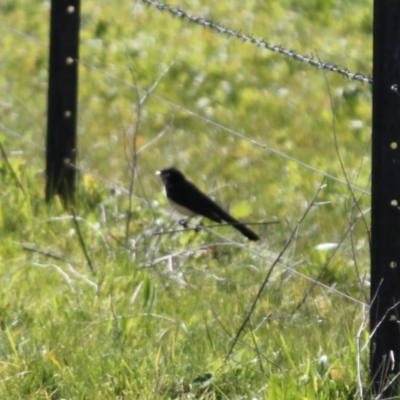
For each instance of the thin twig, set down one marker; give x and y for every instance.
(349, 185)
(46, 253)
(323, 269)
(359, 351)
(117, 330)
(266, 280)
(14, 175)
(133, 148)
(132, 165)
(81, 240)
(202, 227)
(218, 320)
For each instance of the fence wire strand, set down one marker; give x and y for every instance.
(309, 59)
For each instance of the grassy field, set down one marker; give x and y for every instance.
(104, 301)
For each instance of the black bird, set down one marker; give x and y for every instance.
(186, 198)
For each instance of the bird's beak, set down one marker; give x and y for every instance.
(158, 173)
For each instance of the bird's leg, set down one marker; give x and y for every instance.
(198, 227)
(184, 222)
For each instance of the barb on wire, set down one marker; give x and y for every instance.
(309, 59)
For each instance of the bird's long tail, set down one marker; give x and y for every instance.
(242, 228)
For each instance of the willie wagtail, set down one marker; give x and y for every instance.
(186, 198)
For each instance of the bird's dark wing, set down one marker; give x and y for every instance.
(186, 194)
(189, 196)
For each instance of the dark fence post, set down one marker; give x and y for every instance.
(62, 99)
(385, 214)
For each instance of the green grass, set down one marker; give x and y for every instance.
(158, 315)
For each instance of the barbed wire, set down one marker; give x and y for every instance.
(261, 43)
